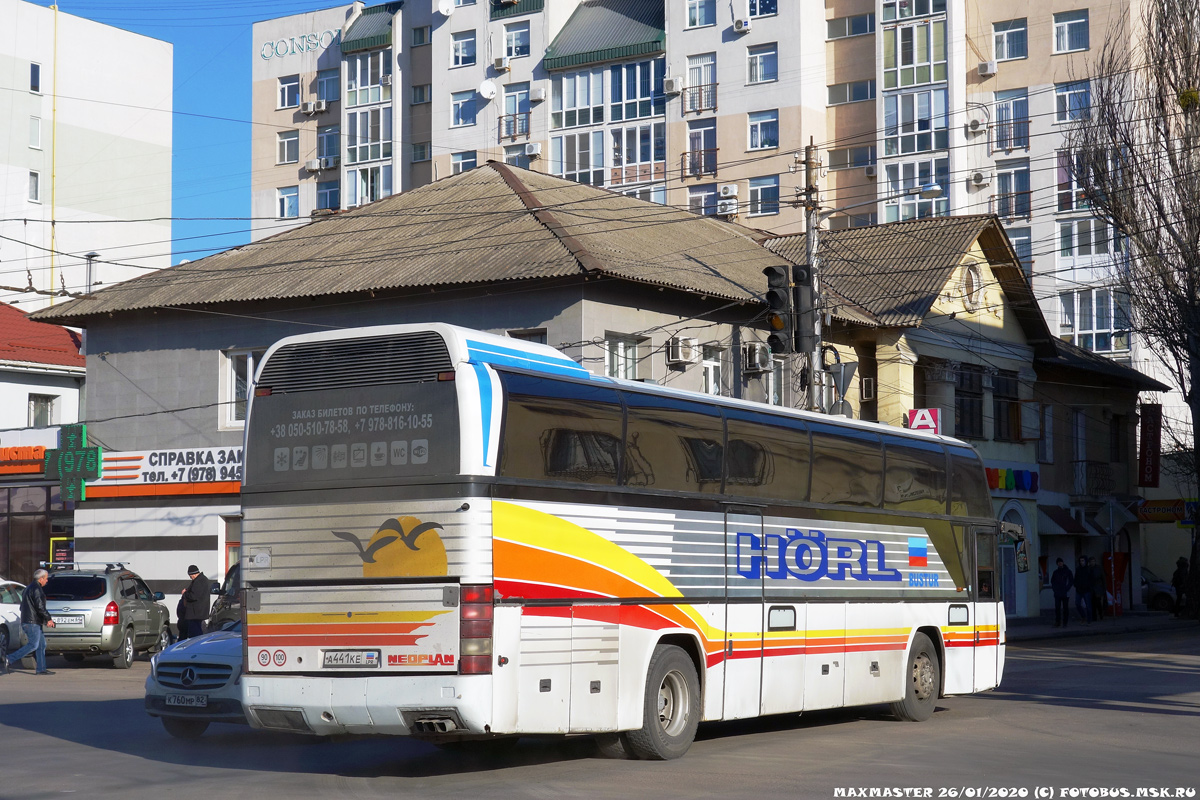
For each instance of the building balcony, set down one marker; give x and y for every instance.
(513, 126)
(637, 173)
(700, 98)
(1004, 137)
(1093, 482)
(1012, 205)
(696, 163)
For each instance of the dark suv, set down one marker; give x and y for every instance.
(107, 610)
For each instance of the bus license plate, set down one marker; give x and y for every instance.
(188, 700)
(351, 659)
(68, 619)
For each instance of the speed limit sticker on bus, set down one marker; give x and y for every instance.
(264, 657)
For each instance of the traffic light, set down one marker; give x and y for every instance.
(780, 315)
(805, 311)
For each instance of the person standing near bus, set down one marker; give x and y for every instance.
(1083, 590)
(33, 616)
(197, 599)
(1060, 583)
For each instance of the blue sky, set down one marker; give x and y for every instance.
(213, 56)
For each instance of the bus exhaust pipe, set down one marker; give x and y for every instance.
(439, 725)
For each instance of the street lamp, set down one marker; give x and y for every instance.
(88, 278)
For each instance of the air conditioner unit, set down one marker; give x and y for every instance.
(313, 166)
(537, 95)
(533, 149)
(976, 122)
(729, 190)
(741, 26)
(673, 85)
(385, 80)
(330, 162)
(500, 63)
(870, 170)
(727, 208)
(682, 350)
(987, 69)
(866, 389)
(981, 178)
(757, 357)
(314, 107)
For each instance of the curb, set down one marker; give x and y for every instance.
(1042, 632)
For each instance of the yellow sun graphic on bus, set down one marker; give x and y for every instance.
(402, 547)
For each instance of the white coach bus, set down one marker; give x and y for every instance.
(458, 536)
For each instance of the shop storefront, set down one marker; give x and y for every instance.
(35, 524)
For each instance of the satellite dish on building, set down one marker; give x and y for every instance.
(487, 89)
(444, 7)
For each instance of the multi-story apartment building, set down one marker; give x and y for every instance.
(85, 192)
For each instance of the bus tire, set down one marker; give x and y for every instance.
(922, 679)
(671, 709)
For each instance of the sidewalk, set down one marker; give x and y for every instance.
(1022, 629)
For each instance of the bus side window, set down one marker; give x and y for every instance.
(969, 495)
(677, 443)
(766, 456)
(985, 562)
(847, 466)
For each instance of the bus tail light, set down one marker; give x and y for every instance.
(475, 630)
(112, 614)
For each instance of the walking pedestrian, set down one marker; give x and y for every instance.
(1099, 590)
(1060, 583)
(33, 616)
(1180, 581)
(1083, 590)
(197, 601)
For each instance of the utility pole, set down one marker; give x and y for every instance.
(808, 323)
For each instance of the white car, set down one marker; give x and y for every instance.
(10, 615)
(197, 682)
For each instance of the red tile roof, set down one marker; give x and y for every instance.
(22, 339)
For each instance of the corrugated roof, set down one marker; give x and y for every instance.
(372, 29)
(492, 224)
(1070, 356)
(603, 30)
(27, 342)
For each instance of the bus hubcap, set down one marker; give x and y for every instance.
(673, 703)
(923, 677)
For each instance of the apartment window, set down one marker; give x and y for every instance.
(463, 48)
(287, 201)
(421, 35)
(577, 98)
(1087, 239)
(775, 384)
(701, 13)
(764, 196)
(420, 93)
(840, 222)
(515, 120)
(1071, 194)
(848, 157)
(239, 372)
(857, 25)
(701, 155)
(636, 90)
(516, 39)
(1011, 128)
(514, 155)
(902, 9)
(1013, 197)
(462, 109)
(1071, 31)
(461, 162)
(578, 157)
(368, 135)
(703, 199)
(41, 410)
(328, 194)
(1022, 242)
(287, 147)
(1006, 407)
(712, 363)
(535, 335)
(289, 91)
(914, 54)
(701, 91)
(1071, 101)
(328, 81)
(421, 151)
(1045, 449)
(763, 64)
(649, 194)
(968, 402)
(764, 130)
(328, 141)
(35, 78)
(1012, 39)
(369, 78)
(35, 186)
(912, 175)
(1096, 319)
(368, 184)
(464, 2)
(763, 8)
(35, 133)
(621, 356)
(639, 153)
(915, 122)
(852, 92)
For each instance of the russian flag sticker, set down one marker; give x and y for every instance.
(918, 553)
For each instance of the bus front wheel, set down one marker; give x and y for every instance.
(671, 709)
(922, 680)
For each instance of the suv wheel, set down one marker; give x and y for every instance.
(123, 658)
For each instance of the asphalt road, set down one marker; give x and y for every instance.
(1118, 712)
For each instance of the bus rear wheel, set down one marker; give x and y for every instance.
(671, 709)
(923, 678)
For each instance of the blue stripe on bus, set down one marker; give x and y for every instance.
(485, 407)
(494, 354)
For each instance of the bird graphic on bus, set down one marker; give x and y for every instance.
(384, 557)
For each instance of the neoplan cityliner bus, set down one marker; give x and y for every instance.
(457, 536)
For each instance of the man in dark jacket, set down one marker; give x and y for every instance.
(1180, 581)
(33, 616)
(1061, 582)
(197, 600)
(1083, 590)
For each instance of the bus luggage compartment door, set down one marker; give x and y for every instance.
(743, 618)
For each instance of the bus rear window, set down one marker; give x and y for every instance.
(74, 587)
(915, 478)
(969, 495)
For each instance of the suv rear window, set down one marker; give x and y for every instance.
(75, 587)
